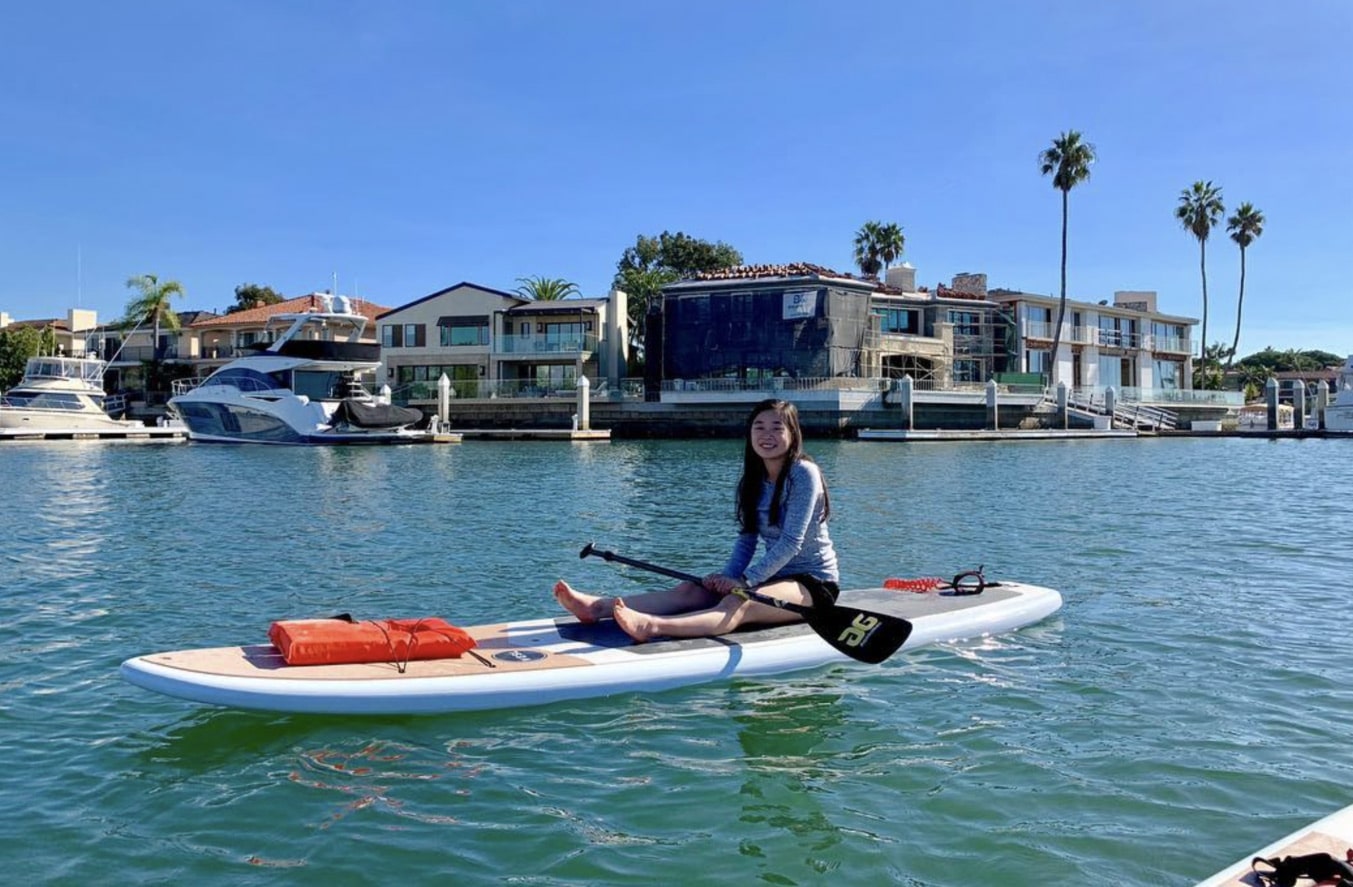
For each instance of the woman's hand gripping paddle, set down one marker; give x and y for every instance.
(860, 634)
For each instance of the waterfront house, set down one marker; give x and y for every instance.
(765, 325)
(491, 343)
(218, 339)
(70, 331)
(1126, 344)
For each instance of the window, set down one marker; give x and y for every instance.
(388, 336)
(564, 336)
(1168, 374)
(1109, 335)
(464, 333)
(966, 371)
(1040, 361)
(899, 320)
(1111, 371)
(415, 335)
(966, 323)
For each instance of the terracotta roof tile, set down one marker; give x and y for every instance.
(259, 315)
(58, 322)
(792, 269)
(948, 292)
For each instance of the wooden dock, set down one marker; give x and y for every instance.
(1013, 434)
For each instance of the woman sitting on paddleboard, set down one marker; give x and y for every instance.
(782, 499)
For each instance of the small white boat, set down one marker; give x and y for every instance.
(306, 387)
(62, 395)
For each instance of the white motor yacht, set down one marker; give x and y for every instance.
(306, 387)
(62, 395)
(1339, 413)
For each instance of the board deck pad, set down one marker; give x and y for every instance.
(1311, 842)
(1332, 835)
(543, 660)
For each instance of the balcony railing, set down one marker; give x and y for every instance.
(134, 353)
(1172, 344)
(1169, 396)
(1118, 339)
(529, 345)
(1038, 329)
(467, 389)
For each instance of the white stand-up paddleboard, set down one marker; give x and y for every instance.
(1332, 835)
(546, 660)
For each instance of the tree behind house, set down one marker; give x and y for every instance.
(1245, 226)
(1199, 210)
(654, 262)
(152, 304)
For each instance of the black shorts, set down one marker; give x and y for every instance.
(822, 592)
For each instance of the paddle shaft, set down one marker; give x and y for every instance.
(859, 634)
(691, 577)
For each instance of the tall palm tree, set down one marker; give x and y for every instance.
(1068, 161)
(868, 252)
(152, 303)
(1245, 226)
(546, 289)
(891, 242)
(1200, 209)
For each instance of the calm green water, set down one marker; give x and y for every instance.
(1192, 701)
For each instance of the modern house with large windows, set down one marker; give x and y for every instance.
(491, 343)
(1126, 344)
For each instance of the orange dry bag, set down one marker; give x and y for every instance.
(337, 641)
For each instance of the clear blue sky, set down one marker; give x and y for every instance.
(406, 146)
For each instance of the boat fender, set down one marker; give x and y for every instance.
(1319, 867)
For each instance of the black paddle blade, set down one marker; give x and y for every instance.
(860, 634)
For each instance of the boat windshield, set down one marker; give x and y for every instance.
(245, 379)
(322, 384)
(65, 368)
(46, 400)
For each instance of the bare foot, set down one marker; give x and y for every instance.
(587, 607)
(637, 625)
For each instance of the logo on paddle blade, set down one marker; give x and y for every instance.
(859, 630)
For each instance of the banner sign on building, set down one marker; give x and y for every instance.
(800, 304)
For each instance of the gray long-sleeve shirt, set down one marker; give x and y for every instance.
(800, 543)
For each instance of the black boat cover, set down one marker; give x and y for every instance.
(364, 414)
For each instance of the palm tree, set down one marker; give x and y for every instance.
(546, 289)
(1253, 377)
(1245, 227)
(153, 304)
(891, 242)
(1068, 161)
(1200, 209)
(868, 250)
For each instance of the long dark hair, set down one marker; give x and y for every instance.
(754, 468)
